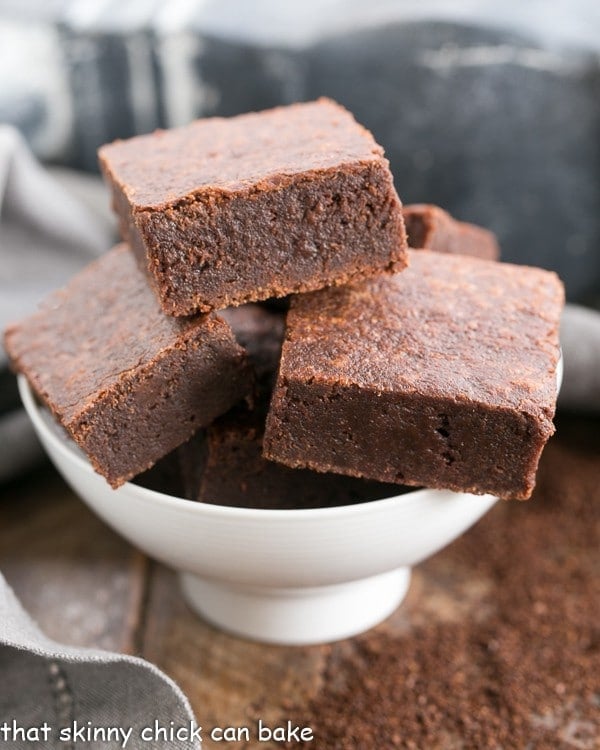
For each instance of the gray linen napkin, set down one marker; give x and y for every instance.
(46, 232)
(76, 690)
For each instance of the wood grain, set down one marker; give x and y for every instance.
(81, 583)
(229, 681)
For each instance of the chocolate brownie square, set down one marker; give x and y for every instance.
(127, 382)
(230, 210)
(442, 376)
(431, 228)
(224, 465)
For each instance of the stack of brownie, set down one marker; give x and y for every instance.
(394, 367)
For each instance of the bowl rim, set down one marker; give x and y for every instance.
(33, 409)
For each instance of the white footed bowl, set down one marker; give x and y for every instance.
(280, 576)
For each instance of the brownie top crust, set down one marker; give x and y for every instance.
(105, 322)
(255, 151)
(448, 325)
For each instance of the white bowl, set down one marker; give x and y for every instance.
(280, 576)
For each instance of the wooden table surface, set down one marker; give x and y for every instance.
(86, 586)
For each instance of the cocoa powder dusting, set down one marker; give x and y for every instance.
(517, 665)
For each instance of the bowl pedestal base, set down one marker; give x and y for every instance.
(297, 616)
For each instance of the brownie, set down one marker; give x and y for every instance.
(128, 383)
(230, 210)
(431, 228)
(442, 376)
(224, 465)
